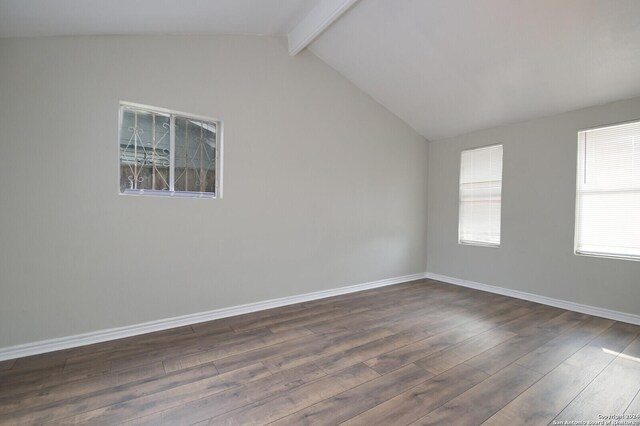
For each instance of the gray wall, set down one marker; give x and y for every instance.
(538, 201)
(323, 187)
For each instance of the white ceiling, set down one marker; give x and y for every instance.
(449, 67)
(63, 17)
(445, 67)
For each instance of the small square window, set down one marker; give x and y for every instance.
(169, 153)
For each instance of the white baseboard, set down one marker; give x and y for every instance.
(51, 345)
(558, 303)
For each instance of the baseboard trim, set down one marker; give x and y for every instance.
(558, 303)
(51, 345)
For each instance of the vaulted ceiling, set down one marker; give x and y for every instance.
(445, 67)
(448, 67)
(56, 17)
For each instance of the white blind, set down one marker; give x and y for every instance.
(608, 191)
(480, 196)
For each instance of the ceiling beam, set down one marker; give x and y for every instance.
(325, 13)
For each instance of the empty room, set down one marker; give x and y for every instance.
(320, 212)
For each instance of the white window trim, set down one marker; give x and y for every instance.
(576, 229)
(172, 113)
(478, 243)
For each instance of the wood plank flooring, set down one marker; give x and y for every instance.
(418, 353)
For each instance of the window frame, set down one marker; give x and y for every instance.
(576, 230)
(172, 114)
(478, 243)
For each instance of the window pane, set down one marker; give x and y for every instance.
(610, 223)
(195, 147)
(144, 150)
(480, 195)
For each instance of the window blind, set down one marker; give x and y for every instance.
(480, 196)
(608, 191)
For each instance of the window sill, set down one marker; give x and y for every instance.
(478, 244)
(175, 194)
(606, 255)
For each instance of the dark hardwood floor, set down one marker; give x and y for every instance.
(417, 353)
